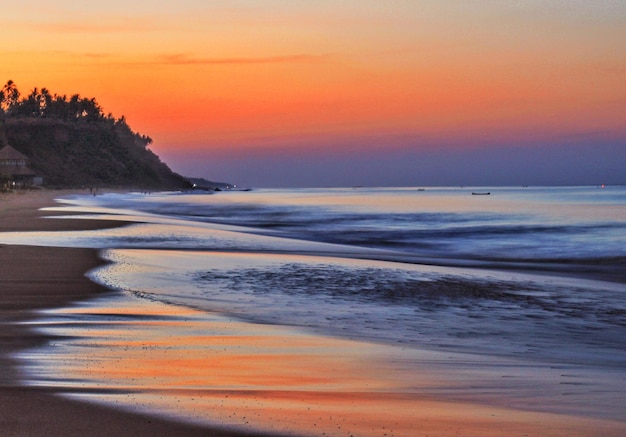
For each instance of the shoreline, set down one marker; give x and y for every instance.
(58, 279)
(34, 278)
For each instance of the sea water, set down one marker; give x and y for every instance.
(418, 266)
(533, 274)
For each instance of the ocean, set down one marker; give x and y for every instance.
(534, 276)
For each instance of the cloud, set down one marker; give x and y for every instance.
(177, 59)
(89, 27)
(185, 59)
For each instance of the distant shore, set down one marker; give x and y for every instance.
(36, 278)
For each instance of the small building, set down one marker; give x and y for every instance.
(14, 171)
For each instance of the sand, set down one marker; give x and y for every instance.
(33, 278)
(363, 395)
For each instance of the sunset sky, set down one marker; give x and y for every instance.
(341, 93)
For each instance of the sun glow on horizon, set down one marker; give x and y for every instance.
(270, 75)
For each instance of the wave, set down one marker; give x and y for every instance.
(471, 310)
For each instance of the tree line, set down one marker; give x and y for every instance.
(72, 143)
(41, 103)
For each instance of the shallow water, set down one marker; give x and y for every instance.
(345, 262)
(347, 267)
(421, 306)
(131, 352)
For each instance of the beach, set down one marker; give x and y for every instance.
(35, 278)
(238, 377)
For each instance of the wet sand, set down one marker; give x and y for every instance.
(35, 278)
(229, 373)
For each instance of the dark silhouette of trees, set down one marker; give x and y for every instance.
(71, 142)
(42, 103)
(9, 96)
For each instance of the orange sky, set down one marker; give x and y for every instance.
(217, 76)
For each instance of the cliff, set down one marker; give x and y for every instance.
(100, 153)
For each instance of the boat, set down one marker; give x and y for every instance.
(486, 193)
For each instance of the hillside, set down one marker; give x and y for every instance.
(71, 143)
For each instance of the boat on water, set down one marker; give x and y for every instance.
(486, 193)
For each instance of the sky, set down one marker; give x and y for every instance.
(292, 93)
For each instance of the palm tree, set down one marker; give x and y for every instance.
(9, 96)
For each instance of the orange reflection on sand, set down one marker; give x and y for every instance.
(207, 368)
(163, 354)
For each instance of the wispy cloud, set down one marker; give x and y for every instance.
(185, 59)
(93, 55)
(89, 27)
(176, 59)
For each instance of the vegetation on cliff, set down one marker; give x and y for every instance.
(71, 142)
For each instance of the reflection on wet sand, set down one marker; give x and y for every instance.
(204, 367)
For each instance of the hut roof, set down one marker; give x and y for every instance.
(14, 169)
(8, 152)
